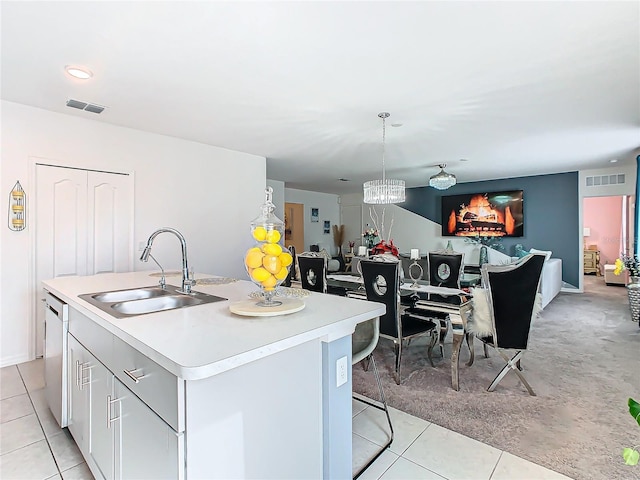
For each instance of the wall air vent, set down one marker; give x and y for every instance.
(605, 180)
(87, 107)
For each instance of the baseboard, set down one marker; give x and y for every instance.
(14, 360)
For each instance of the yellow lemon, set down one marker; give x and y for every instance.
(260, 274)
(259, 233)
(271, 263)
(270, 282)
(272, 249)
(286, 259)
(253, 258)
(273, 236)
(282, 274)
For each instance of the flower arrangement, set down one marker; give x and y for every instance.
(627, 262)
(631, 455)
(369, 236)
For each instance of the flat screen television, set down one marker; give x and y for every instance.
(495, 214)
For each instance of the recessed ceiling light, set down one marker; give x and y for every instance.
(464, 159)
(77, 72)
(397, 124)
(615, 160)
(344, 179)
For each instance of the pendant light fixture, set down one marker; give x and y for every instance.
(442, 180)
(384, 191)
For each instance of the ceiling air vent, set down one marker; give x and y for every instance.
(88, 107)
(605, 180)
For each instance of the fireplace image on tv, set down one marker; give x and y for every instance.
(496, 214)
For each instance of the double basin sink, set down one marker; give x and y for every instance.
(142, 300)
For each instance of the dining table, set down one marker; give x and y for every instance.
(455, 303)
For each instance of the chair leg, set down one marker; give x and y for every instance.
(444, 330)
(512, 364)
(486, 350)
(398, 349)
(434, 339)
(384, 407)
(472, 352)
(366, 362)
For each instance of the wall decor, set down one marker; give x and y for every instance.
(315, 215)
(17, 208)
(327, 227)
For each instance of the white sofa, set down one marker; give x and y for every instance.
(551, 281)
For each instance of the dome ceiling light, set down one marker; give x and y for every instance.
(78, 72)
(442, 180)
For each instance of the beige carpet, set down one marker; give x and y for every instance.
(583, 362)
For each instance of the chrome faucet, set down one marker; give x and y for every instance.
(187, 282)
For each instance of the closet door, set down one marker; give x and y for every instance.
(60, 230)
(83, 226)
(109, 215)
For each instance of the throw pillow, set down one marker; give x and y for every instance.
(520, 251)
(547, 253)
(480, 323)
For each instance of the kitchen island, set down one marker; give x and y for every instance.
(199, 392)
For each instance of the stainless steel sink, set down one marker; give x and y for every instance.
(134, 294)
(142, 300)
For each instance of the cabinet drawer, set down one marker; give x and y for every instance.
(94, 338)
(161, 390)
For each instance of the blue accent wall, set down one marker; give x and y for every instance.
(551, 207)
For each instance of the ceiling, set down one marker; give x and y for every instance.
(514, 88)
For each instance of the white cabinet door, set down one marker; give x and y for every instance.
(79, 375)
(84, 226)
(101, 428)
(146, 447)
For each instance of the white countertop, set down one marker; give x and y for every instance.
(200, 341)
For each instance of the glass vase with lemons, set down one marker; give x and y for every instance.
(268, 262)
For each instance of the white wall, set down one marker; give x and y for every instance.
(210, 194)
(329, 209)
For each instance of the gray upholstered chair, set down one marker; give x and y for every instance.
(504, 309)
(363, 343)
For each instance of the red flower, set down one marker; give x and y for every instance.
(385, 247)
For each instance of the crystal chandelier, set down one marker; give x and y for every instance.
(442, 180)
(384, 191)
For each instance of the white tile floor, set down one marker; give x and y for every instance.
(32, 446)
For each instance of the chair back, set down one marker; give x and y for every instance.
(407, 270)
(445, 269)
(512, 293)
(292, 269)
(381, 282)
(313, 272)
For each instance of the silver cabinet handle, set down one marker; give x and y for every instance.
(109, 403)
(133, 377)
(78, 374)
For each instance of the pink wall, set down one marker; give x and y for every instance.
(603, 215)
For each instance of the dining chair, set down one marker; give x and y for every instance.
(504, 309)
(313, 271)
(292, 270)
(445, 269)
(363, 342)
(382, 284)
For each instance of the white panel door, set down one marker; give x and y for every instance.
(109, 202)
(84, 225)
(60, 229)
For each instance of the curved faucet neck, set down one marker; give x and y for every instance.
(186, 281)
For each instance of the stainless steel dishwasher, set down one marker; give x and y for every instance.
(55, 356)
